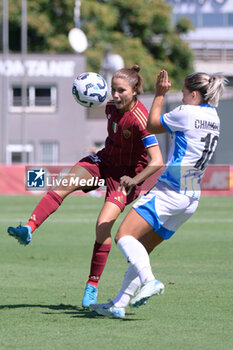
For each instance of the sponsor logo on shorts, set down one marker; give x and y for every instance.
(119, 199)
(94, 158)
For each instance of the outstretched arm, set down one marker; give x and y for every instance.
(156, 162)
(154, 125)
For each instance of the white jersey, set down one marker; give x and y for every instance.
(195, 131)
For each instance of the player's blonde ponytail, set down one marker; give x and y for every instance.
(215, 89)
(210, 87)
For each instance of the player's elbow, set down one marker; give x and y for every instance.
(155, 127)
(157, 160)
(158, 163)
(149, 127)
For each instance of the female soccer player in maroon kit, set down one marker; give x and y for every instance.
(122, 163)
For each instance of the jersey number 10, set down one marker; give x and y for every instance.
(209, 148)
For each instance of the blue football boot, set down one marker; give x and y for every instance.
(90, 296)
(21, 233)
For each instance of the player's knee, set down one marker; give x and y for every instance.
(103, 229)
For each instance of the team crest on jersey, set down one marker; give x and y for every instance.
(114, 127)
(109, 116)
(126, 133)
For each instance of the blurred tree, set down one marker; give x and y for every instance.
(138, 30)
(48, 25)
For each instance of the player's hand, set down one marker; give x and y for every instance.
(162, 84)
(127, 181)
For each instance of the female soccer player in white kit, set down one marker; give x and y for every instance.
(155, 217)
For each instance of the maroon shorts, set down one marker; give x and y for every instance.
(111, 174)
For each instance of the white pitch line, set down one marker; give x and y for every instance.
(214, 220)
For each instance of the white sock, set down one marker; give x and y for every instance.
(130, 284)
(136, 254)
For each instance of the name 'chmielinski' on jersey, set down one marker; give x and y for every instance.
(194, 141)
(206, 124)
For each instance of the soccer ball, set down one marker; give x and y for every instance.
(89, 89)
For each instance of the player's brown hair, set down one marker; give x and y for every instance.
(132, 76)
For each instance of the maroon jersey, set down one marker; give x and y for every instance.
(124, 152)
(124, 145)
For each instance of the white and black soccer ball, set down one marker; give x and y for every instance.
(89, 89)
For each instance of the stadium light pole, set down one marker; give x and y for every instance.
(76, 36)
(24, 80)
(5, 47)
(77, 13)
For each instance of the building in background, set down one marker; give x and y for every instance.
(212, 39)
(52, 128)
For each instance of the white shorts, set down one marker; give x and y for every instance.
(165, 209)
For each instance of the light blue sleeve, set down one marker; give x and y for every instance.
(175, 120)
(165, 124)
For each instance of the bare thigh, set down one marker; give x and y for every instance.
(76, 171)
(134, 225)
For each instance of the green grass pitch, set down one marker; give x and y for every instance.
(41, 285)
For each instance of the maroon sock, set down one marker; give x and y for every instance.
(98, 262)
(47, 205)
